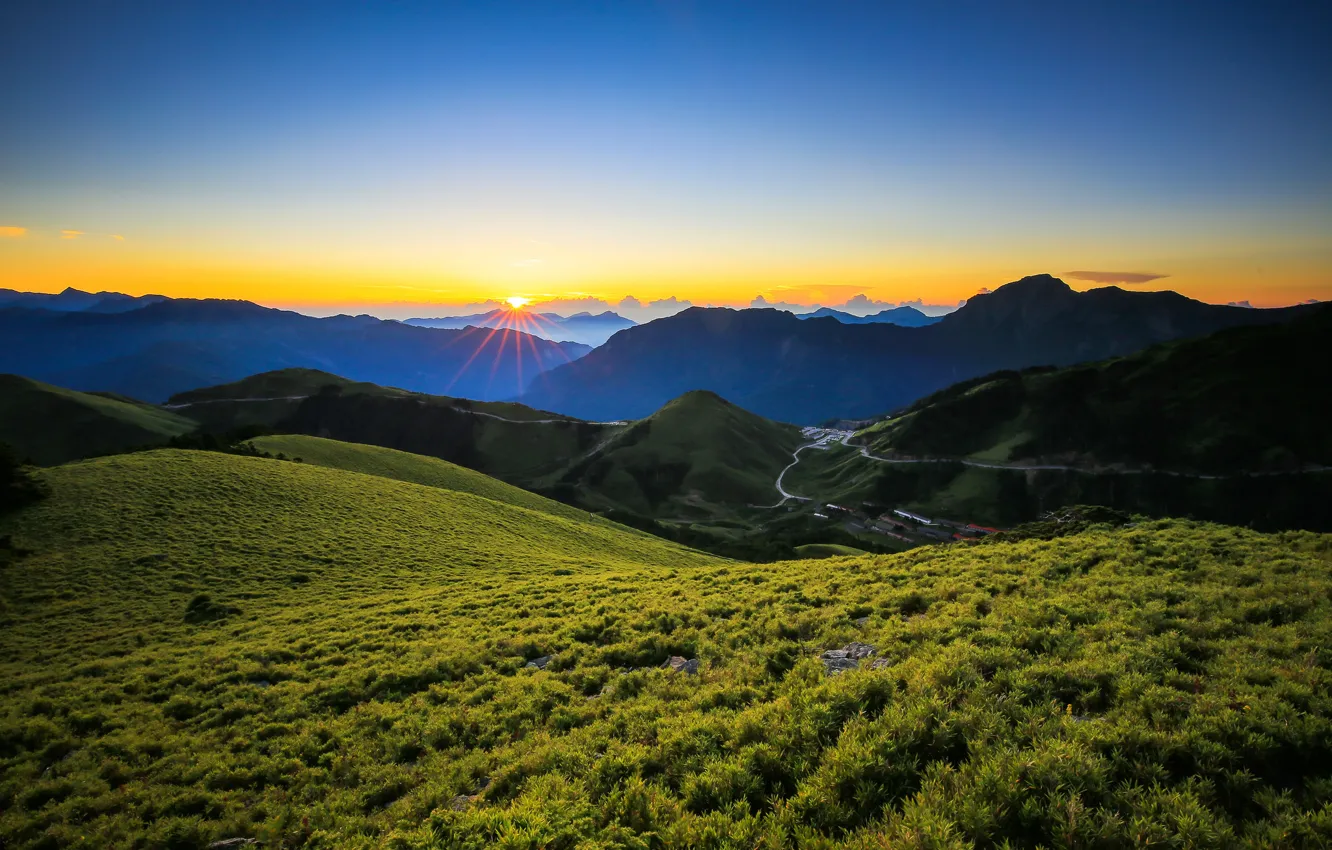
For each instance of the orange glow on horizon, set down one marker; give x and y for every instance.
(42, 261)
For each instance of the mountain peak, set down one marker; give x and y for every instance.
(1037, 283)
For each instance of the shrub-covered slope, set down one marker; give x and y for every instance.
(51, 425)
(201, 647)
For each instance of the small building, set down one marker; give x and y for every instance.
(916, 518)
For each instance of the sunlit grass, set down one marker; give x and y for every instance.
(1166, 684)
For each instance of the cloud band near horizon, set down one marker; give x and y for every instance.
(1127, 278)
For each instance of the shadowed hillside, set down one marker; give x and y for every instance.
(1236, 400)
(51, 425)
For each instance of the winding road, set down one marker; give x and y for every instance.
(844, 437)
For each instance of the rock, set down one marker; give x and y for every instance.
(839, 664)
(862, 621)
(231, 843)
(881, 664)
(856, 649)
(540, 663)
(460, 802)
(847, 658)
(676, 664)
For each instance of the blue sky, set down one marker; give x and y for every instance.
(460, 151)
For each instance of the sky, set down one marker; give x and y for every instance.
(408, 158)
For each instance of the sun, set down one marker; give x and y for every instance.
(516, 302)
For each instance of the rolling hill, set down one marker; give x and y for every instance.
(812, 370)
(203, 648)
(51, 425)
(172, 345)
(699, 456)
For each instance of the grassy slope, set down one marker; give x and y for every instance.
(1236, 400)
(52, 425)
(404, 466)
(697, 455)
(1165, 683)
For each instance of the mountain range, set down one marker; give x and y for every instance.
(586, 328)
(810, 370)
(164, 346)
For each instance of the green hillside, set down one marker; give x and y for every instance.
(404, 466)
(51, 425)
(202, 647)
(699, 457)
(1238, 400)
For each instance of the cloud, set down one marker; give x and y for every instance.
(13, 232)
(1127, 278)
(117, 237)
(984, 290)
(629, 302)
(1239, 304)
(70, 234)
(671, 302)
(1311, 301)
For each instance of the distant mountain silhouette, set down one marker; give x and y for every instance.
(76, 300)
(807, 371)
(907, 317)
(178, 344)
(586, 328)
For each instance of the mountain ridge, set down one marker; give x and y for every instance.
(804, 371)
(174, 345)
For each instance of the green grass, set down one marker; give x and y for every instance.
(404, 466)
(51, 425)
(203, 646)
